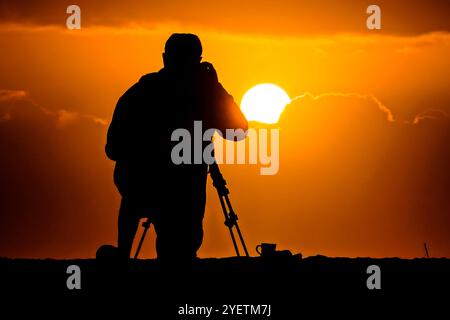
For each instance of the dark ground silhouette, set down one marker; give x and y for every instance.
(290, 285)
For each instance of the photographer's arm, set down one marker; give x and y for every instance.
(229, 115)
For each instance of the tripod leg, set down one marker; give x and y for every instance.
(146, 226)
(230, 217)
(234, 218)
(225, 212)
(234, 242)
(241, 238)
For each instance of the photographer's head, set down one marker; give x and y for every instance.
(183, 51)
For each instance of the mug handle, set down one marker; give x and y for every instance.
(258, 246)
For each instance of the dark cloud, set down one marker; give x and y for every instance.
(56, 192)
(274, 17)
(431, 114)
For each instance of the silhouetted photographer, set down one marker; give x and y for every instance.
(139, 141)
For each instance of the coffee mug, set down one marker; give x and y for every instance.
(266, 249)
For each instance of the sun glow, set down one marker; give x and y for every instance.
(264, 103)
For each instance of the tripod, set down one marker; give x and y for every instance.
(230, 216)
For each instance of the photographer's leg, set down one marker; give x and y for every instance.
(180, 232)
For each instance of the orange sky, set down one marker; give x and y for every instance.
(351, 182)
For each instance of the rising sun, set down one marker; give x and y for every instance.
(264, 103)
